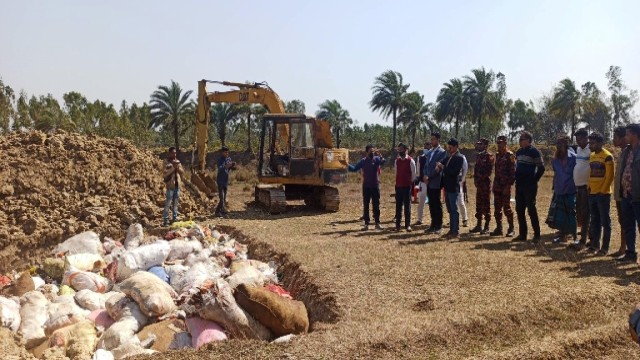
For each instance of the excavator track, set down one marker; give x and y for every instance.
(273, 198)
(330, 198)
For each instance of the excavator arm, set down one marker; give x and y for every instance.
(256, 93)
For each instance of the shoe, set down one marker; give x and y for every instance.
(417, 223)
(397, 229)
(379, 227)
(165, 223)
(496, 232)
(536, 239)
(519, 238)
(465, 223)
(484, 231)
(476, 229)
(617, 254)
(409, 229)
(602, 252)
(365, 227)
(628, 258)
(559, 239)
(445, 226)
(510, 231)
(429, 229)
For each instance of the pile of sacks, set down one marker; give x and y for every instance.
(106, 299)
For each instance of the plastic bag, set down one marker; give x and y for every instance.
(196, 257)
(9, 314)
(141, 259)
(84, 262)
(180, 249)
(86, 242)
(102, 354)
(247, 275)
(78, 340)
(66, 290)
(33, 313)
(110, 245)
(81, 280)
(101, 319)
(50, 291)
(131, 348)
(37, 282)
(90, 300)
(154, 296)
(220, 306)
(195, 276)
(160, 272)
(129, 320)
(183, 224)
(135, 236)
(61, 315)
(204, 331)
(176, 274)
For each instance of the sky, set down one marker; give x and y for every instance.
(313, 50)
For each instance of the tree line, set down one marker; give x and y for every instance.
(469, 107)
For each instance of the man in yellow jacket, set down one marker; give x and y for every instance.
(600, 180)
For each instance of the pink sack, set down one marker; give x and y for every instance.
(204, 331)
(101, 318)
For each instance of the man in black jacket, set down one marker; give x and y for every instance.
(451, 169)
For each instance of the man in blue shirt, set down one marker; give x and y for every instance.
(225, 165)
(432, 176)
(370, 166)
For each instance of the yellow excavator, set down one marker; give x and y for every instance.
(296, 159)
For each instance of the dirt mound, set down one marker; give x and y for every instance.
(53, 186)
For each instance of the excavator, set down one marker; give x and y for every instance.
(296, 159)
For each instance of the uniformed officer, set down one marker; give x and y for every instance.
(482, 179)
(505, 176)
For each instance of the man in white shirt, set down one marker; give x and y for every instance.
(581, 174)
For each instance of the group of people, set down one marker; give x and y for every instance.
(585, 177)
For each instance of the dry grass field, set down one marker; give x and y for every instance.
(413, 295)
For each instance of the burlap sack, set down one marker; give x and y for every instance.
(280, 315)
(21, 286)
(166, 334)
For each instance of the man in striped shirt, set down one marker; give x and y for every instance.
(529, 170)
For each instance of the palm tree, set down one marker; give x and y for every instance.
(453, 103)
(170, 108)
(415, 115)
(223, 115)
(339, 118)
(566, 102)
(484, 100)
(388, 97)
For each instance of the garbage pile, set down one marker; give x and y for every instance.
(105, 299)
(55, 185)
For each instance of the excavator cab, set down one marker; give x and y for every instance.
(296, 161)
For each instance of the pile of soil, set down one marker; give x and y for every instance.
(53, 186)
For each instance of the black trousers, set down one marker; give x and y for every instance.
(435, 208)
(222, 193)
(371, 195)
(403, 198)
(526, 200)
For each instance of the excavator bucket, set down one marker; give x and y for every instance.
(204, 183)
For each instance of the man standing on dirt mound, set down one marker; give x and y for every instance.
(433, 177)
(172, 172)
(482, 180)
(225, 165)
(405, 168)
(529, 170)
(370, 167)
(502, 181)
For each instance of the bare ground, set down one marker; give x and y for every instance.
(412, 295)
